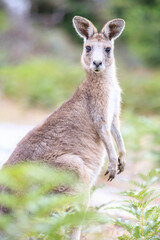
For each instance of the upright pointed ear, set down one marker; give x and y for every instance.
(113, 28)
(84, 27)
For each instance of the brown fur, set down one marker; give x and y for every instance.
(67, 131)
(75, 136)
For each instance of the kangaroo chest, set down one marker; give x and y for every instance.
(105, 101)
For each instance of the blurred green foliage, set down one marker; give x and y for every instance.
(36, 211)
(141, 137)
(144, 222)
(43, 82)
(142, 32)
(141, 91)
(68, 9)
(4, 22)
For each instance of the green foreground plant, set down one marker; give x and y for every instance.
(38, 212)
(35, 210)
(145, 212)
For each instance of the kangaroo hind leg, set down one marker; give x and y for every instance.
(73, 163)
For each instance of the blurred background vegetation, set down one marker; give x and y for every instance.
(40, 50)
(40, 63)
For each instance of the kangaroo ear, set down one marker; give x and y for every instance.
(113, 28)
(84, 27)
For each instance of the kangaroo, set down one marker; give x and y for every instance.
(77, 135)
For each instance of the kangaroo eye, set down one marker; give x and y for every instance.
(88, 49)
(107, 50)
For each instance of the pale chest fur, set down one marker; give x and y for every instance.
(105, 100)
(113, 103)
(105, 103)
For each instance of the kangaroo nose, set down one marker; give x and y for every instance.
(97, 63)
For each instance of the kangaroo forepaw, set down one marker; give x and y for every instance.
(121, 165)
(112, 174)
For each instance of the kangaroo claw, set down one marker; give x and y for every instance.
(120, 166)
(106, 173)
(111, 173)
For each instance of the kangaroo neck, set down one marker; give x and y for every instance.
(107, 76)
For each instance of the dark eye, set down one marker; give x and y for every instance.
(88, 49)
(107, 50)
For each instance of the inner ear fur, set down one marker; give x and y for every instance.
(84, 27)
(113, 28)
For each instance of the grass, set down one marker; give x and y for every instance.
(141, 133)
(42, 82)
(141, 90)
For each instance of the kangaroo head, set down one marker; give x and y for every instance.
(98, 47)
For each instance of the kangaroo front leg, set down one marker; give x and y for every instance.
(120, 145)
(105, 136)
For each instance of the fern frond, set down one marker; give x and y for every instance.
(125, 224)
(147, 202)
(137, 231)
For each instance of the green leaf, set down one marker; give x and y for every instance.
(137, 231)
